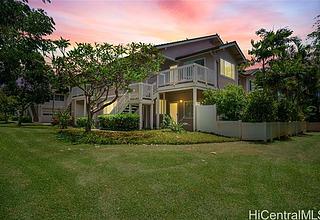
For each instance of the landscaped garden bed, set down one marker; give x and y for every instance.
(139, 137)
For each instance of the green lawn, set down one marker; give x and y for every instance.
(42, 177)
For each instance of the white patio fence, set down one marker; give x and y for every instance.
(264, 131)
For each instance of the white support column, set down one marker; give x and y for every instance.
(140, 116)
(195, 73)
(130, 108)
(158, 111)
(164, 103)
(194, 102)
(151, 116)
(75, 109)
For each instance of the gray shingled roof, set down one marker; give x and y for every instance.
(186, 40)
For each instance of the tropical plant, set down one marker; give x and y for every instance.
(167, 119)
(63, 118)
(169, 123)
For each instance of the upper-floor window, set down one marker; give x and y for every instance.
(227, 69)
(59, 97)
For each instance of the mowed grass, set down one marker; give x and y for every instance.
(44, 178)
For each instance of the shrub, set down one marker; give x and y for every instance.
(3, 117)
(169, 123)
(288, 111)
(261, 107)
(119, 122)
(81, 122)
(14, 118)
(63, 118)
(26, 119)
(230, 101)
(284, 109)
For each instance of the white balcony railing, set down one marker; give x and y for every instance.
(138, 91)
(141, 91)
(187, 73)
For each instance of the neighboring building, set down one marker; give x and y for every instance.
(191, 66)
(246, 79)
(45, 111)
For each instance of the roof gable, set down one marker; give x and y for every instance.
(232, 46)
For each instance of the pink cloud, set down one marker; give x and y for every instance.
(186, 10)
(161, 21)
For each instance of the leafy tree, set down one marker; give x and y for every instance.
(313, 67)
(261, 107)
(100, 69)
(230, 101)
(314, 36)
(289, 68)
(273, 45)
(23, 71)
(7, 105)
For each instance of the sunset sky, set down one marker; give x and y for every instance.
(160, 21)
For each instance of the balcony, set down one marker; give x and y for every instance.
(182, 76)
(141, 91)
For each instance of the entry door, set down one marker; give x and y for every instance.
(174, 111)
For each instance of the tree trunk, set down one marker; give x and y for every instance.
(35, 115)
(20, 115)
(89, 114)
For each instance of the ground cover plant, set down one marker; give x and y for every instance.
(165, 136)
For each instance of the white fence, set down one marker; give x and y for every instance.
(207, 122)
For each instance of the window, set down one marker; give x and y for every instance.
(227, 69)
(188, 109)
(251, 85)
(59, 98)
(162, 106)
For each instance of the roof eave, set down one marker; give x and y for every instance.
(172, 44)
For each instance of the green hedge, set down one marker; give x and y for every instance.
(119, 122)
(24, 119)
(82, 122)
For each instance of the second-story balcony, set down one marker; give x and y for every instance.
(186, 75)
